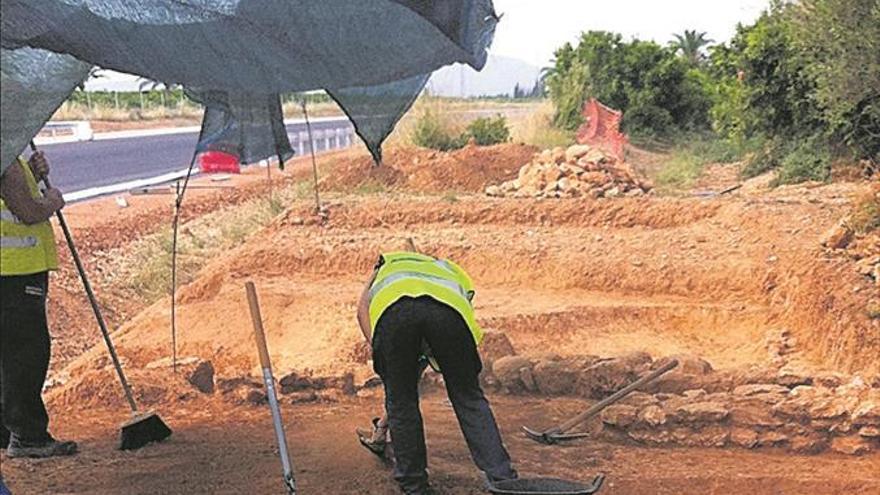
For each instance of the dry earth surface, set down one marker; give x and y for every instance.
(581, 294)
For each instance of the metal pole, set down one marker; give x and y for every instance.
(314, 161)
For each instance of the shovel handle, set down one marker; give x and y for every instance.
(259, 332)
(93, 301)
(611, 399)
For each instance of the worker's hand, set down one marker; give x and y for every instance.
(39, 165)
(55, 199)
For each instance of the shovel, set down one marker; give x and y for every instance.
(560, 433)
(142, 428)
(269, 380)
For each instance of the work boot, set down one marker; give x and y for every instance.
(46, 448)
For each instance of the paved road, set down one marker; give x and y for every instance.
(88, 164)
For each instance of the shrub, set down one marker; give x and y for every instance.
(488, 130)
(432, 131)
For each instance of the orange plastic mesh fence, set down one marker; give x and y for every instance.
(602, 128)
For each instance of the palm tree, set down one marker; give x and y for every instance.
(690, 45)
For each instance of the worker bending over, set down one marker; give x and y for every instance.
(27, 254)
(415, 305)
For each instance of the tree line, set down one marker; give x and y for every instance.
(794, 90)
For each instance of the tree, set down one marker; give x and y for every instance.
(657, 91)
(690, 45)
(838, 42)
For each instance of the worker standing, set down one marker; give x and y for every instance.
(27, 255)
(415, 305)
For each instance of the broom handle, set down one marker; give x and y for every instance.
(93, 301)
(599, 406)
(266, 364)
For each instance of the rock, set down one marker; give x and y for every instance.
(709, 436)
(759, 389)
(771, 438)
(838, 237)
(613, 192)
(675, 382)
(605, 378)
(293, 382)
(564, 184)
(753, 412)
(650, 436)
(867, 413)
(597, 179)
(640, 399)
(652, 415)
(828, 408)
(494, 191)
(554, 377)
(744, 437)
(792, 378)
(829, 380)
(594, 155)
(797, 404)
(528, 379)
(250, 396)
(303, 397)
(227, 385)
(198, 372)
(702, 412)
(347, 385)
(810, 443)
(692, 365)
(619, 415)
(508, 372)
(851, 445)
(576, 151)
(694, 395)
(869, 432)
(202, 377)
(495, 345)
(558, 155)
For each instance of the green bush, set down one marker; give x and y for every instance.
(807, 160)
(656, 90)
(432, 131)
(488, 130)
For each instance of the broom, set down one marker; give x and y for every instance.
(142, 428)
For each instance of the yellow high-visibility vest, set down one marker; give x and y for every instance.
(412, 274)
(26, 249)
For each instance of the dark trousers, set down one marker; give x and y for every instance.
(397, 344)
(24, 355)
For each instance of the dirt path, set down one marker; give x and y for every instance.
(207, 455)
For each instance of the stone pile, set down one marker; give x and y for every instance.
(579, 171)
(694, 405)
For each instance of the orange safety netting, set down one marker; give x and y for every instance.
(602, 128)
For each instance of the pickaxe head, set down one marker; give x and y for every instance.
(551, 437)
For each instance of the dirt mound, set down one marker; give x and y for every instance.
(577, 171)
(469, 169)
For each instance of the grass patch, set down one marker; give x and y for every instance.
(537, 129)
(370, 186)
(144, 267)
(689, 156)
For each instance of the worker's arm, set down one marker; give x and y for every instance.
(363, 312)
(17, 196)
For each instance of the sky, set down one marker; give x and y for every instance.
(532, 29)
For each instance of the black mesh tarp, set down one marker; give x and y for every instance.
(254, 48)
